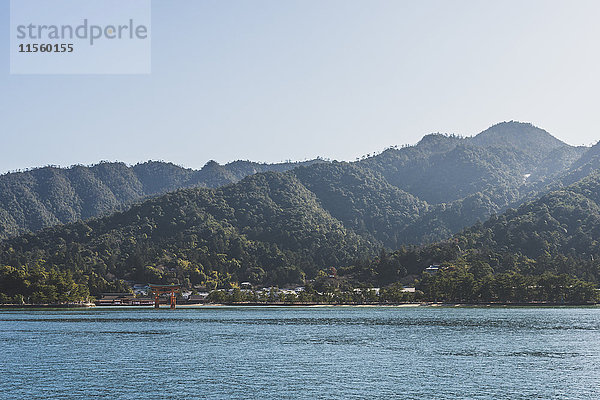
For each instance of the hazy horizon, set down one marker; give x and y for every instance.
(319, 156)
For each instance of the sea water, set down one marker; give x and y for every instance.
(300, 353)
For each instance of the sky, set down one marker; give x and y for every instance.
(291, 80)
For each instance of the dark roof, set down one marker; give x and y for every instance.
(165, 286)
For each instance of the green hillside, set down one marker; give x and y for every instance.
(268, 227)
(43, 197)
(369, 218)
(558, 234)
(416, 194)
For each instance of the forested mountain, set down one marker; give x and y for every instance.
(277, 227)
(35, 199)
(500, 162)
(543, 251)
(426, 192)
(536, 143)
(583, 166)
(363, 200)
(565, 221)
(464, 180)
(268, 227)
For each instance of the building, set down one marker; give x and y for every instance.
(432, 269)
(123, 299)
(198, 298)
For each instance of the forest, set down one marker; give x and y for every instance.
(470, 286)
(493, 202)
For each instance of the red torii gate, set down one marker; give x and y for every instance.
(161, 289)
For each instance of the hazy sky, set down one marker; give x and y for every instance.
(276, 80)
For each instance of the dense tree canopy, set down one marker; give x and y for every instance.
(371, 219)
(43, 197)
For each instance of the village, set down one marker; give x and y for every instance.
(144, 295)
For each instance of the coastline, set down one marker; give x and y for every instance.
(310, 305)
(68, 305)
(396, 305)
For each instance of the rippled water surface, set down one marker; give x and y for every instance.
(323, 352)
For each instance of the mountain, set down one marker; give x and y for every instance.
(499, 161)
(268, 227)
(565, 221)
(418, 193)
(531, 140)
(278, 227)
(583, 166)
(464, 180)
(555, 235)
(43, 197)
(545, 250)
(363, 200)
(545, 156)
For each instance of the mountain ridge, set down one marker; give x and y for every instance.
(46, 196)
(443, 200)
(441, 172)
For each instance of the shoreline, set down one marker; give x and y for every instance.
(311, 305)
(68, 305)
(399, 305)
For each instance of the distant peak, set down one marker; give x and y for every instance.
(520, 135)
(514, 128)
(513, 123)
(438, 138)
(211, 164)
